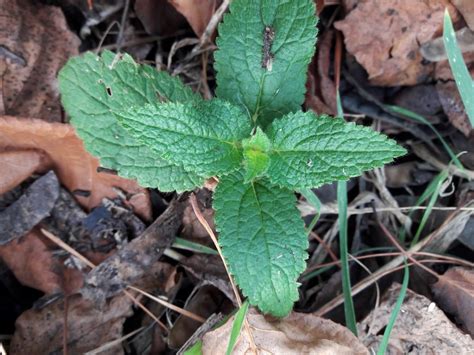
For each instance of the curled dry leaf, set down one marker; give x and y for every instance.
(41, 331)
(321, 90)
(298, 333)
(35, 44)
(391, 55)
(65, 154)
(421, 327)
(454, 292)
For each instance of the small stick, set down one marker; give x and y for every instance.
(86, 261)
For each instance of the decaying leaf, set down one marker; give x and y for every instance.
(167, 16)
(298, 333)
(454, 292)
(453, 106)
(159, 16)
(19, 164)
(192, 228)
(209, 270)
(203, 301)
(435, 51)
(466, 8)
(42, 331)
(421, 327)
(198, 13)
(321, 90)
(39, 263)
(31, 260)
(391, 54)
(35, 43)
(76, 169)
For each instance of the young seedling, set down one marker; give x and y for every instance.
(254, 137)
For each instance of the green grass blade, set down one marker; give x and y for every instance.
(311, 197)
(416, 117)
(237, 327)
(430, 194)
(396, 310)
(438, 183)
(184, 244)
(196, 349)
(460, 72)
(349, 311)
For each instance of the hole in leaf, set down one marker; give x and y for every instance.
(109, 90)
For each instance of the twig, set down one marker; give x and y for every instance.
(122, 25)
(171, 306)
(66, 311)
(307, 209)
(130, 263)
(426, 244)
(213, 22)
(86, 261)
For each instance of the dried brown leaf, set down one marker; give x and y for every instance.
(321, 90)
(41, 331)
(159, 17)
(32, 262)
(197, 13)
(421, 327)
(385, 37)
(453, 106)
(466, 8)
(76, 169)
(296, 334)
(204, 301)
(19, 164)
(35, 44)
(454, 292)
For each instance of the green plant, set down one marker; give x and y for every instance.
(463, 78)
(254, 137)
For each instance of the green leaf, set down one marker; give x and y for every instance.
(309, 151)
(263, 240)
(237, 327)
(461, 73)
(94, 87)
(256, 158)
(203, 136)
(396, 310)
(196, 349)
(265, 47)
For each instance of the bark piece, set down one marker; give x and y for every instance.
(134, 260)
(30, 209)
